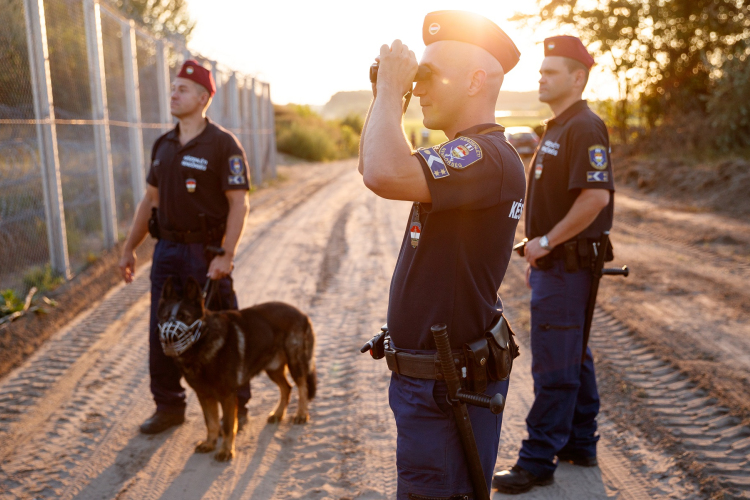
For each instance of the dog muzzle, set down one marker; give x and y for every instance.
(176, 337)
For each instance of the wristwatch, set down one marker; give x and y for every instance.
(544, 242)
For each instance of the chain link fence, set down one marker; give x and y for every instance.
(84, 93)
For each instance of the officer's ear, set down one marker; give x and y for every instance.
(476, 84)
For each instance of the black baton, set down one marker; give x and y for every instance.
(597, 271)
(465, 432)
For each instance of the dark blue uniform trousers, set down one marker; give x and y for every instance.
(179, 261)
(563, 416)
(429, 458)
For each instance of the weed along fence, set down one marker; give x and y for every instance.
(84, 93)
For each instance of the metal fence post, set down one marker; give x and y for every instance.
(100, 115)
(257, 173)
(272, 133)
(133, 103)
(215, 111)
(246, 119)
(46, 133)
(233, 99)
(162, 80)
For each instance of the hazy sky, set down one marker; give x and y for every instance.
(309, 50)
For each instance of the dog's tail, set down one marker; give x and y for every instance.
(312, 382)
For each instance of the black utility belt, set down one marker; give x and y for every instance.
(489, 358)
(212, 235)
(577, 254)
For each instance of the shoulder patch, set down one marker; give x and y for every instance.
(598, 156)
(460, 153)
(434, 162)
(236, 165)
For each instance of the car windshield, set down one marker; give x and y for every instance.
(522, 136)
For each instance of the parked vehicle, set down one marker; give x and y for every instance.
(524, 139)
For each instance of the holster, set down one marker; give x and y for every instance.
(153, 224)
(502, 350)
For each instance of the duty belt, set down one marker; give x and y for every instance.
(214, 234)
(425, 366)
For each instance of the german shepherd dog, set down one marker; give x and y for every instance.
(217, 352)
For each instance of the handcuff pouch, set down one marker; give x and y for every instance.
(502, 349)
(477, 355)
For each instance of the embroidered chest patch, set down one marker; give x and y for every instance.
(434, 163)
(460, 153)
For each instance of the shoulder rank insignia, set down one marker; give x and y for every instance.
(460, 153)
(597, 176)
(434, 162)
(598, 156)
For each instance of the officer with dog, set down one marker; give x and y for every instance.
(196, 198)
(467, 195)
(569, 206)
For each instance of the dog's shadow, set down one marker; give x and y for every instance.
(201, 471)
(130, 460)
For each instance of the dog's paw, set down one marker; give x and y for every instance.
(300, 419)
(273, 418)
(205, 447)
(224, 456)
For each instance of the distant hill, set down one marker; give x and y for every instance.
(342, 104)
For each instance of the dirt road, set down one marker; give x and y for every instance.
(69, 416)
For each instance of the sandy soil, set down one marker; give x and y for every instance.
(69, 415)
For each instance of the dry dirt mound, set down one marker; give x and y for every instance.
(719, 186)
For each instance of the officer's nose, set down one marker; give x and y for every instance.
(420, 89)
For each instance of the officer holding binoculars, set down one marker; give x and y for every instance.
(467, 196)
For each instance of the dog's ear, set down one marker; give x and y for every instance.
(168, 292)
(193, 290)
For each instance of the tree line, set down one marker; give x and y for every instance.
(681, 65)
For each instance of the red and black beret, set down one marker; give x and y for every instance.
(471, 28)
(568, 46)
(192, 70)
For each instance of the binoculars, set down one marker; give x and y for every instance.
(423, 73)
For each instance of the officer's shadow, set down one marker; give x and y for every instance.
(584, 483)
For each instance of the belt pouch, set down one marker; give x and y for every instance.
(502, 350)
(571, 256)
(153, 224)
(477, 355)
(546, 262)
(390, 359)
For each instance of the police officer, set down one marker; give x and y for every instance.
(467, 195)
(198, 171)
(569, 205)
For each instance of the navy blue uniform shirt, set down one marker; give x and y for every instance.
(191, 179)
(477, 186)
(573, 154)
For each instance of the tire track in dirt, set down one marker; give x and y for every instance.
(717, 441)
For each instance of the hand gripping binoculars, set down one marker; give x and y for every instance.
(423, 73)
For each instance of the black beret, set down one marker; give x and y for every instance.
(471, 28)
(568, 46)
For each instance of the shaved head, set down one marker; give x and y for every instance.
(466, 81)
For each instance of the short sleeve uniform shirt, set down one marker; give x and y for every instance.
(192, 179)
(573, 154)
(465, 238)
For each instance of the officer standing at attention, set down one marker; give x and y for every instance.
(467, 195)
(198, 172)
(570, 203)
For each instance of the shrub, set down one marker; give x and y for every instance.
(42, 277)
(303, 133)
